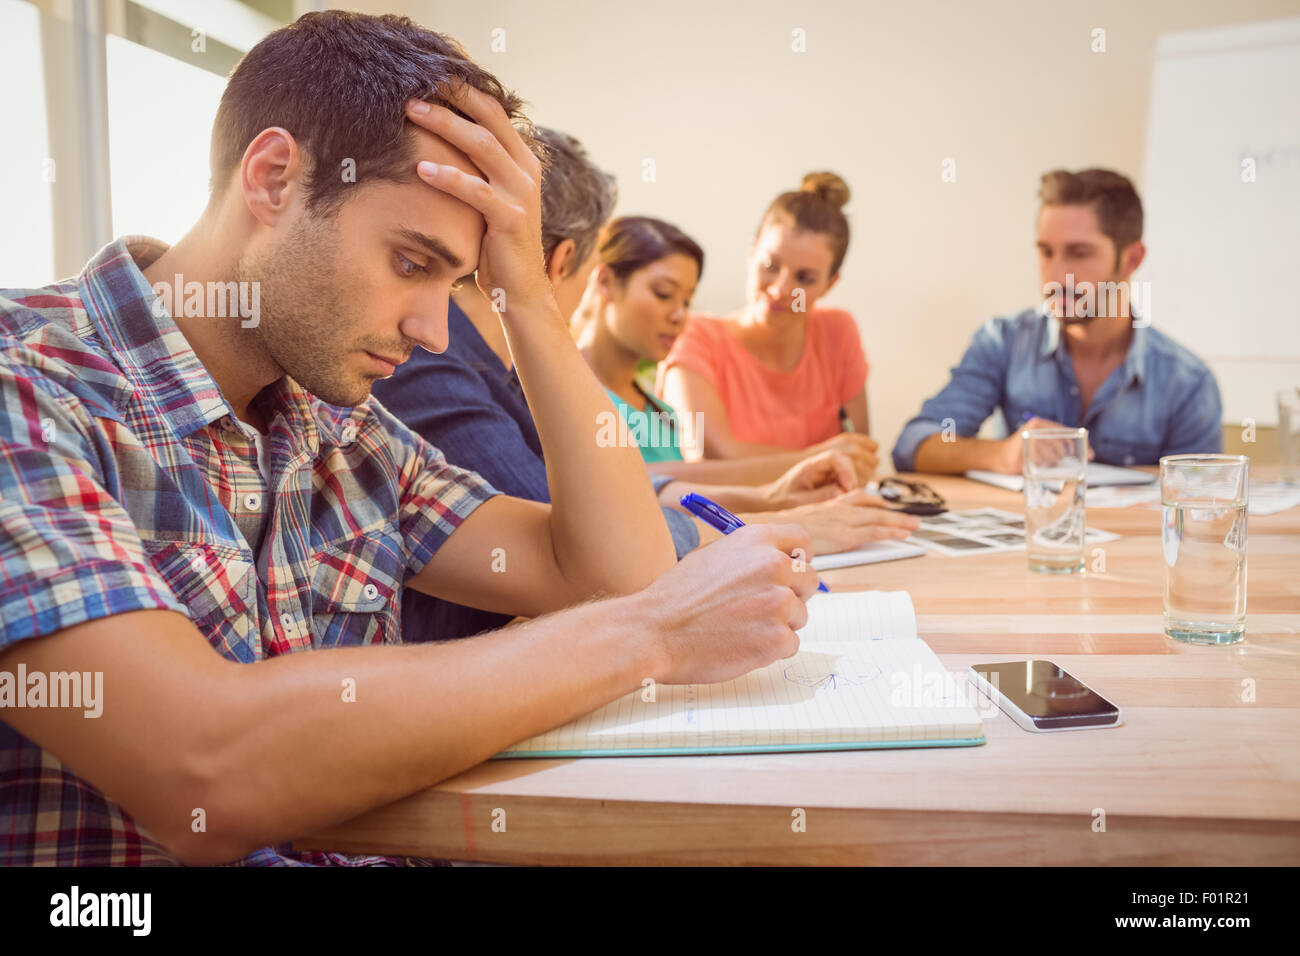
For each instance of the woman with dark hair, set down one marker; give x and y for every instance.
(646, 274)
(634, 309)
(779, 373)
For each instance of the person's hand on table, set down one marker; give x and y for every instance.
(1008, 457)
(861, 450)
(845, 522)
(815, 478)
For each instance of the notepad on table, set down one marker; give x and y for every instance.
(1099, 475)
(861, 679)
(868, 554)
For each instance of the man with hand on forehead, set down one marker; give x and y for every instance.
(190, 503)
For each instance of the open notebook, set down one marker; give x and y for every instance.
(1099, 475)
(861, 679)
(871, 553)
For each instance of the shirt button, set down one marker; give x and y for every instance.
(228, 424)
(287, 622)
(349, 431)
(370, 591)
(252, 501)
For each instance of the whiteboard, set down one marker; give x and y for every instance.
(1223, 252)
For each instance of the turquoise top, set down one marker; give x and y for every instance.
(654, 429)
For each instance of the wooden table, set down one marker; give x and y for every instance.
(1200, 773)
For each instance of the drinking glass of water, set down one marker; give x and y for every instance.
(1204, 537)
(1054, 463)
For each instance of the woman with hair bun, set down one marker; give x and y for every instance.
(779, 374)
(636, 302)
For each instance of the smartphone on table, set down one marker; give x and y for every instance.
(1040, 696)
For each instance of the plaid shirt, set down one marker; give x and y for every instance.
(126, 483)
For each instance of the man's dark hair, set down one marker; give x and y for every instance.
(630, 243)
(1111, 195)
(339, 82)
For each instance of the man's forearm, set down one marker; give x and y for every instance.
(423, 714)
(731, 471)
(731, 497)
(592, 487)
(952, 456)
(283, 747)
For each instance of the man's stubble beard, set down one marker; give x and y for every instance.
(1086, 320)
(303, 312)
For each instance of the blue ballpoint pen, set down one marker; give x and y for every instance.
(720, 519)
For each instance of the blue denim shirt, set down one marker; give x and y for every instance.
(1162, 401)
(472, 408)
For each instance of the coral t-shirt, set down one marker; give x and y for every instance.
(791, 409)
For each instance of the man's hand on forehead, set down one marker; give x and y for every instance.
(430, 147)
(505, 188)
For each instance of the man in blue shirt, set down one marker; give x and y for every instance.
(1086, 356)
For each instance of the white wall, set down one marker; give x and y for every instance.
(713, 93)
(1225, 128)
(158, 199)
(27, 172)
(155, 157)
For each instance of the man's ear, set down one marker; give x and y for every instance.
(561, 262)
(269, 174)
(1131, 258)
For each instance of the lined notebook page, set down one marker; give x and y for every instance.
(859, 616)
(871, 553)
(861, 675)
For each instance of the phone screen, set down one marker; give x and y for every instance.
(1048, 694)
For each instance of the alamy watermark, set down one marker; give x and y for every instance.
(130, 910)
(645, 429)
(922, 688)
(1090, 300)
(212, 300)
(75, 689)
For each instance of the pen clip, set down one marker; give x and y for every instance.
(711, 512)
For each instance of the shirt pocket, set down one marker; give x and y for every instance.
(217, 583)
(356, 590)
(1124, 451)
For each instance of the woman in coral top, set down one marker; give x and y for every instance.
(779, 373)
(634, 308)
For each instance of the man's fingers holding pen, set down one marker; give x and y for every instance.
(791, 563)
(733, 605)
